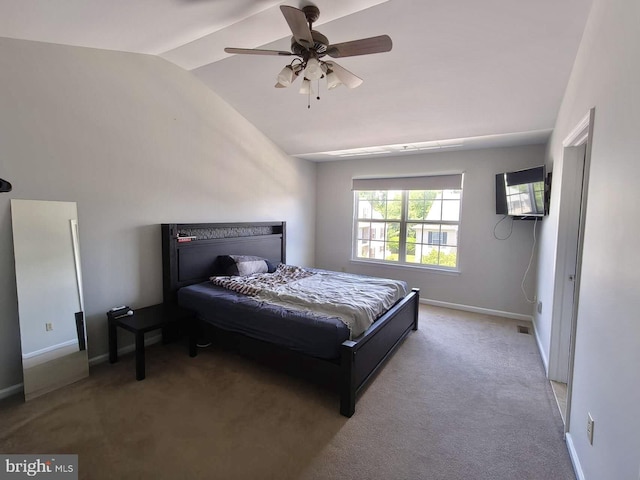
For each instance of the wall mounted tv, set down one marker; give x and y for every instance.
(522, 194)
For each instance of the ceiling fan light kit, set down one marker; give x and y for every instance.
(313, 70)
(332, 80)
(287, 76)
(306, 88)
(310, 46)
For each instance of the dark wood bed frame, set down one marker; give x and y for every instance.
(189, 253)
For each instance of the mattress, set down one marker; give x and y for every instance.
(356, 299)
(315, 335)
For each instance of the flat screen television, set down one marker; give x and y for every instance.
(522, 194)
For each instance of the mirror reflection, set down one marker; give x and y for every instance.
(50, 302)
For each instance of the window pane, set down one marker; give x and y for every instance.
(377, 250)
(436, 237)
(451, 210)
(435, 212)
(377, 231)
(391, 252)
(451, 235)
(364, 204)
(394, 195)
(414, 254)
(374, 205)
(393, 232)
(379, 210)
(394, 210)
(417, 209)
(420, 195)
(430, 255)
(417, 206)
(448, 257)
(441, 235)
(364, 230)
(364, 209)
(433, 235)
(414, 232)
(363, 248)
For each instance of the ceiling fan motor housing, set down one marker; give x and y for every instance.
(321, 43)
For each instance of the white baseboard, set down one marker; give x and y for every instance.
(543, 356)
(577, 468)
(15, 389)
(121, 351)
(64, 345)
(10, 391)
(485, 311)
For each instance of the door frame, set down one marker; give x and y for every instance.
(580, 136)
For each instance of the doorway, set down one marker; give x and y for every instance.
(574, 180)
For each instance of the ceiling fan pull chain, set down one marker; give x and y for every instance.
(309, 99)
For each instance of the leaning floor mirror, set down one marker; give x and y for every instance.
(49, 287)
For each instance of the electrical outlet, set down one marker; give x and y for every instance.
(48, 326)
(590, 425)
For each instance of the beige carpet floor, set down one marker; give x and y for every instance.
(465, 397)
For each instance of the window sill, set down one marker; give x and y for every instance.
(406, 266)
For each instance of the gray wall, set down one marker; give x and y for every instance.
(491, 270)
(135, 141)
(606, 75)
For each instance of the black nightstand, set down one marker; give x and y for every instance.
(145, 320)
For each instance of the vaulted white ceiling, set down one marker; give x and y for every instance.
(461, 73)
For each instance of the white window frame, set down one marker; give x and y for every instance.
(449, 182)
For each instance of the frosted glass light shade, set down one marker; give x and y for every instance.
(313, 70)
(305, 88)
(332, 80)
(286, 76)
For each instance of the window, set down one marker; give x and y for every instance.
(414, 222)
(437, 238)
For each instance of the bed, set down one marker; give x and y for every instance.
(322, 347)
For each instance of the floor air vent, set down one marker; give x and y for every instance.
(522, 329)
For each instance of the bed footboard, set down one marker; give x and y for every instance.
(361, 359)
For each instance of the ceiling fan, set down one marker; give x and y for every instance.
(310, 47)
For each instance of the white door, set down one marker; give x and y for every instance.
(568, 239)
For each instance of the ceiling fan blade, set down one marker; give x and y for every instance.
(345, 76)
(279, 85)
(257, 51)
(364, 46)
(298, 24)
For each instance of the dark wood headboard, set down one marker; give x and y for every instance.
(190, 250)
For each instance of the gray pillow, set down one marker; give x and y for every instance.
(241, 265)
